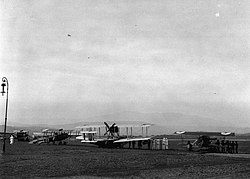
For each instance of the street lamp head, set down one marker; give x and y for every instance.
(3, 85)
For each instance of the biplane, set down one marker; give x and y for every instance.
(112, 137)
(206, 141)
(22, 135)
(48, 136)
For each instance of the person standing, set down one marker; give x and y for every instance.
(227, 146)
(189, 146)
(139, 144)
(11, 139)
(236, 147)
(217, 146)
(233, 147)
(133, 144)
(149, 142)
(223, 146)
(129, 144)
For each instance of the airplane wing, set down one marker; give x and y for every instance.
(119, 124)
(227, 134)
(94, 141)
(88, 132)
(90, 126)
(81, 137)
(206, 133)
(88, 141)
(131, 140)
(45, 130)
(132, 125)
(38, 141)
(38, 134)
(180, 132)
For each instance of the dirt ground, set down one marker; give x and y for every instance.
(75, 160)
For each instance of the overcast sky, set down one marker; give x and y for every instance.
(71, 59)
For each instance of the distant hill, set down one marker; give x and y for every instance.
(165, 119)
(9, 128)
(31, 129)
(164, 123)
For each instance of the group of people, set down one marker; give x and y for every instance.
(150, 144)
(226, 146)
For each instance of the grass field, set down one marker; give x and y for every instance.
(75, 160)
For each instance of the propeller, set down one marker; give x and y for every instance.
(110, 129)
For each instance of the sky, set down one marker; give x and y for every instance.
(67, 60)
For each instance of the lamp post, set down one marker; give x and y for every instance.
(5, 83)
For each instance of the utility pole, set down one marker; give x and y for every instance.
(5, 83)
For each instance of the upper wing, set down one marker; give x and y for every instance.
(119, 124)
(97, 141)
(88, 132)
(39, 140)
(132, 139)
(206, 133)
(88, 141)
(86, 138)
(90, 126)
(228, 133)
